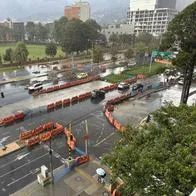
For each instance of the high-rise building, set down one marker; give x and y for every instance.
(80, 10)
(151, 16)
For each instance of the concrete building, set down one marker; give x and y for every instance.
(14, 31)
(118, 29)
(151, 16)
(80, 10)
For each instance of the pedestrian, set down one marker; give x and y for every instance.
(2, 95)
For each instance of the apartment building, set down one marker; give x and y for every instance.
(152, 16)
(79, 10)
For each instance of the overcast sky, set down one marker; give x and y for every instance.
(22, 8)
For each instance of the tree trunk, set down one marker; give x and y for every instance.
(188, 74)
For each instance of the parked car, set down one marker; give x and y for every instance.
(82, 75)
(35, 87)
(137, 87)
(97, 94)
(123, 86)
(181, 81)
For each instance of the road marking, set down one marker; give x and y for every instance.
(19, 179)
(55, 154)
(19, 157)
(23, 165)
(104, 139)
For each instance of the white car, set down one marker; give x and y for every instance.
(35, 87)
(123, 86)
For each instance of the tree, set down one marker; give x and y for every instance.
(158, 159)
(114, 52)
(59, 29)
(98, 55)
(0, 59)
(41, 33)
(129, 53)
(51, 50)
(181, 31)
(75, 37)
(31, 31)
(9, 55)
(21, 53)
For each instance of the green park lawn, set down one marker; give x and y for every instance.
(155, 69)
(35, 51)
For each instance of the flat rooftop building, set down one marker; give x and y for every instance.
(151, 16)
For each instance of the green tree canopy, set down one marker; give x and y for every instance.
(0, 59)
(9, 55)
(31, 31)
(129, 53)
(51, 49)
(41, 33)
(75, 38)
(181, 31)
(59, 29)
(98, 55)
(160, 158)
(21, 53)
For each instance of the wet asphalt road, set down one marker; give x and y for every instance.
(20, 168)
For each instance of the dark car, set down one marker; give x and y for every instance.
(137, 87)
(97, 94)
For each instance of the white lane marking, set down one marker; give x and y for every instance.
(22, 156)
(19, 179)
(4, 139)
(22, 166)
(19, 157)
(55, 154)
(104, 139)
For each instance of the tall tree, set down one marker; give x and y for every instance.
(9, 55)
(51, 49)
(59, 29)
(160, 158)
(21, 53)
(0, 59)
(75, 37)
(129, 53)
(98, 55)
(31, 31)
(41, 33)
(181, 31)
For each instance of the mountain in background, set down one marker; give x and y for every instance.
(104, 11)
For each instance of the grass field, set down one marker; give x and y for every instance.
(10, 69)
(35, 51)
(156, 69)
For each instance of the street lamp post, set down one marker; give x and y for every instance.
(92, 48)
(51, 163)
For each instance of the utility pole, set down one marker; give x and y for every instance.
(86, 141)
(51, 163)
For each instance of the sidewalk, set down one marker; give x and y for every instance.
(79, 182)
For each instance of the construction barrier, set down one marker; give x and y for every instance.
(45, 127)
(50, 107)
(37, 130)
(32, 141)
(58, 104)
(8, 120)
(71, 140)
(74, 100)
(67, 85)
(48, 126)
(59, 129)
(83, 159)
(66, 102)
(45, 136)
(25, 135)
(140, 76)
